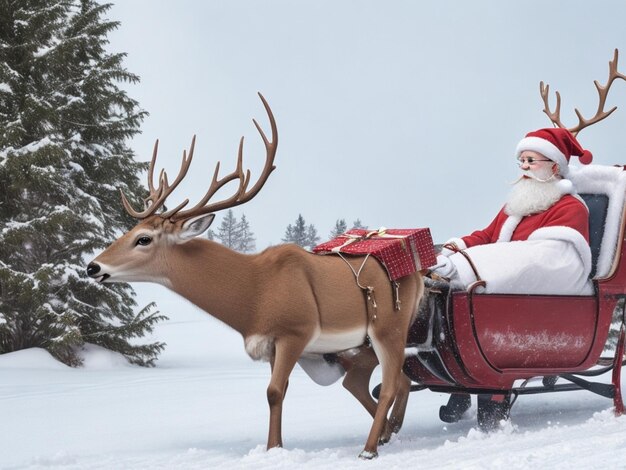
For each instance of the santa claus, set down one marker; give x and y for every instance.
(539, 241)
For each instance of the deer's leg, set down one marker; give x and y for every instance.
(394, 423)
(285, 357)
(391, 357)
(403, 390)
(359, 370)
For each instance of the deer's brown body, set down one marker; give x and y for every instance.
(285, 302)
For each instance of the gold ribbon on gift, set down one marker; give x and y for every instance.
(381, 232)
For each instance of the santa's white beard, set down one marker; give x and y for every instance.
(530, 196)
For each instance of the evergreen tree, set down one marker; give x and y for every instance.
(290, 235)
(358, 224)
(301, 234)
(247, 242)
(340, 228)
(312, 239)
(296, 233)
(234, 234)
(64, 123)
(228, 232)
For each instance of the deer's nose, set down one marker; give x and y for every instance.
(93, 269)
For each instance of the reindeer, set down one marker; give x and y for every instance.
(286, 303)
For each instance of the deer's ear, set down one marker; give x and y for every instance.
(195, 226)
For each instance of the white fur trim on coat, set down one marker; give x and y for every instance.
(543, 266)
(545, 148)
(570, 235)
(508, 227)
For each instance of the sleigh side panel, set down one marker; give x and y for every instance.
(538, 332)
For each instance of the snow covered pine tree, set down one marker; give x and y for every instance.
(235, 234)
(358, 224)
(247, 242)
(63, 158)
(300, 234)
(340, 228)
(228, 231)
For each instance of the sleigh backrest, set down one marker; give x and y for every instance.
(603, 188)
(598, 205)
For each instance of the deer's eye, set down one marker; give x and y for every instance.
(144, 241)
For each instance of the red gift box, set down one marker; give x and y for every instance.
(400, 251)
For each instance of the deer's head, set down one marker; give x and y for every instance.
(140, 254)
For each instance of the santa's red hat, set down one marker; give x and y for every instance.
(556, 144)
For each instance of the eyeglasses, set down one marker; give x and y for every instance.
(530, 160)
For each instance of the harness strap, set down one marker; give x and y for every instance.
(453, 247)
(367, 290)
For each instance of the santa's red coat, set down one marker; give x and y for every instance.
(568, 211)
(545, 253)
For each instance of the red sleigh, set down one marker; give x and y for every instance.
(486, 344)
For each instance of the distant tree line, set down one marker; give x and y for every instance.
(342, 227)
(237, 235)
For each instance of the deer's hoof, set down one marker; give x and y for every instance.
(367, 455)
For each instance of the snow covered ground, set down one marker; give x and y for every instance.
(204, 407)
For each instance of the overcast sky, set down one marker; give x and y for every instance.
(400, 113)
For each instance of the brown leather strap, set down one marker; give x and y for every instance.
(453, 247)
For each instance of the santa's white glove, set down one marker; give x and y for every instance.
(444, 267)
(455, 245)
(446, 251)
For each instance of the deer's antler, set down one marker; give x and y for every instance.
(243, 194)
(158, 195)
(603, 91)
